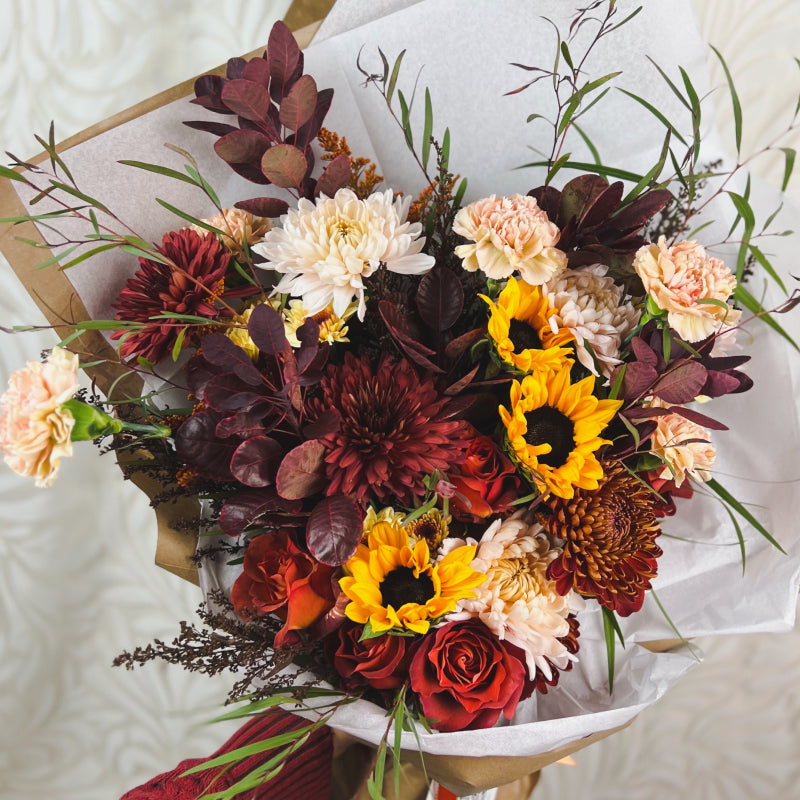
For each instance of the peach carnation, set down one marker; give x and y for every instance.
(684, 446)
(517, 601)
(34, 429)
(679, 279)
(509, 234)
(590, 306)
(239, 227)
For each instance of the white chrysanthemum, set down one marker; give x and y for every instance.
(517, 601)
(589, 304)
(326, 249)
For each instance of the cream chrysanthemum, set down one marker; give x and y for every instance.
(589, 304)
(326, 249)
(517, 602)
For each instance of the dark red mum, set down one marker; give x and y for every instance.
(187, 285)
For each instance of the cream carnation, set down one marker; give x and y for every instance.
(679, 279)
(327, 249)
(684, 445)
(34, 429)
(517, 601)
(589, 304)
(510, 234)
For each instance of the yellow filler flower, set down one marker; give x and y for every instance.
(393, 584)
(554, 429)
(520, 327)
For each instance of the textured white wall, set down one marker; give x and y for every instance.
(77, 583)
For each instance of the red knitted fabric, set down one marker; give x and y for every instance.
(306, 774)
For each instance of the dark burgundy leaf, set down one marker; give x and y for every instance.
(245, 508)
(638, 379)
(302, 471)
(646, 413)
(249, 422)
(458, 346)
(248, 99)
(198, 373)
(398, 328)
(459, 386)
(636, 215)
(283, 56)
(725, 363)
(578, 195)
(548, 199)
(266, 330)
(334, 530)
(226, 393)
(643, 352)
(235, 68)
(284, 165)
(217, 128)
(440, 298)
(601, 208)
(326, 423)
(299, 105)
(242, 147)
(312, 373)
(721, 383)
(250, 172)
(255, 462)
(306, 135)
(222, 352)
(199, 447)
(264, 206)
(257, 70)
(208, 84)
(682, 383)
(308, 336)
(212, 102)
(335, 176)
(699, 419)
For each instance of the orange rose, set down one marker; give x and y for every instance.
(280, 579)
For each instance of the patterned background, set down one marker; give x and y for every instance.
(77, 583)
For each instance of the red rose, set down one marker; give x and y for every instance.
(281, 579)
(488, 482)
(465, 677)
(381, 662)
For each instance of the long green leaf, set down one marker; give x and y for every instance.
(741, 295)
(609, 623)
(737, 106)
(656, 113)
(671, 623)
(575, 100)
(728, 498)
(585, 166)
(765, 262)
(12, 175)
(790, 154)
(427, 130)
(393, 78)
(671, 85)
(159, 170)
(652, 175)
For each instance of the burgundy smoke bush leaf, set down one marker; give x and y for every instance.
(299, 105)
(208, 91)
(284, 59)
(266, 330)
(579, 194)
(636, 215)
(308, 336)
(460, 385)
(638, 379)
(199, 447)
(242, 147)
(326, 423)
(284, 165)
(440, 298)
(257, 70)
(458, 346)
(599, 209)
(700, 419)
(398, 328)
(198, 373)
(250, 172)
(335, 176)
(248, 422)
(654, 412)
(235, 68)
(682, 383)
(246, 99)
(217, 128)
(245, 508)
(302, 471)
(721, 383)
(644, 353)
(222, 352)
(334, 530)
(264, 206)
(255, 462)
(306, 135)
(548, 199)
(228, 394)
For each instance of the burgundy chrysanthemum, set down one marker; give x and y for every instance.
(394, 430)
(609, 540)
(188, 287)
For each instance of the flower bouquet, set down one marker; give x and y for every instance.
(435, 428)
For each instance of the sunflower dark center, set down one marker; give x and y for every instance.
(547, 425)
(400, 587)
(523, 336)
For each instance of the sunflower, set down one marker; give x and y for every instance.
(520, 327)
(554, 427)
(394, 585)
